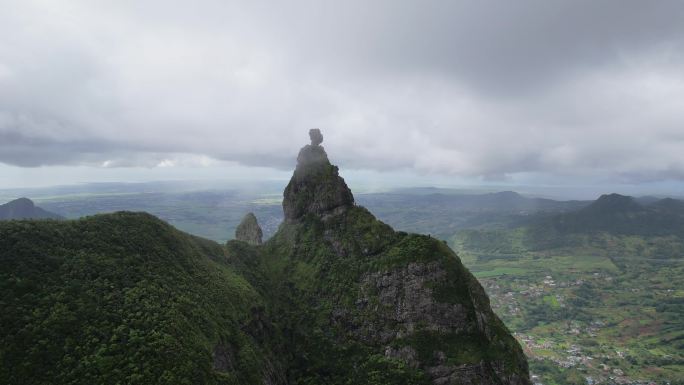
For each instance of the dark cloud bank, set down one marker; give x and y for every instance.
(475, 89)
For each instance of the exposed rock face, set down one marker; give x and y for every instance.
(223, 358)
(406, 308)
(405, 302)
(316, 186)
(249, 231)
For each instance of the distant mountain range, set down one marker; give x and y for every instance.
(592, 224)
(443, 213)
(620, 215)
(24, 208)
(504, 201)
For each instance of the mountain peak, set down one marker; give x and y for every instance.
(379, 293)
(316, 187)
(24, 208)
(507, 195)
(614, 197)
(615, 202)
(22, 203)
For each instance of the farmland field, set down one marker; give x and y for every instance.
(589, 315)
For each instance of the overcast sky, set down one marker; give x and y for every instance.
(539, 92)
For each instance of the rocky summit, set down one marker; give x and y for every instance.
(249, 231)
(316, 187)
(334, 297)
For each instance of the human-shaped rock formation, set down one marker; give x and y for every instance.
(249, 231)
(316, 136)
(316, 187)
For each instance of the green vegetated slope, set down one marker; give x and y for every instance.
(334, 297)
(123, 299)
(355, 320)
(594, 293)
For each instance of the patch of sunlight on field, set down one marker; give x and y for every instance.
(552, 301)
(500, 271)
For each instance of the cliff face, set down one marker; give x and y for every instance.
(374, 304)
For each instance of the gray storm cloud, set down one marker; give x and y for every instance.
(483, 88)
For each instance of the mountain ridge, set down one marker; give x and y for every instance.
(335, 296)
(611, 216)
(620, 214)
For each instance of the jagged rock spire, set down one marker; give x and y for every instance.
(249, 231)
(315, 187)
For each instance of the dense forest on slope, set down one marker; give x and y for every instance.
(122, 298)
